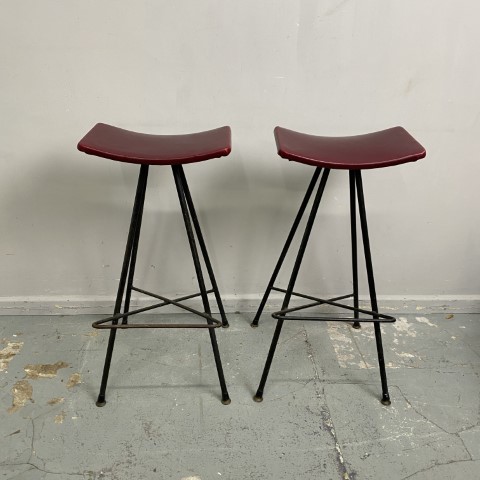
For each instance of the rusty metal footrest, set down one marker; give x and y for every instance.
(283, 314)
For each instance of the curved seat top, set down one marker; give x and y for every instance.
(385, 148)
(125, 146)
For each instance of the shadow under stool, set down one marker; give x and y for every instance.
(174, 150)
(385, 148)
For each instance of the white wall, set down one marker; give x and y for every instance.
(334, 67)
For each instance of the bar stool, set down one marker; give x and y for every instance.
(175, 150)
(356, 153)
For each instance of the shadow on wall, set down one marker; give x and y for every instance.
(68, 226)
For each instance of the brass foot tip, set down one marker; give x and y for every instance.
(226, 401)
(258, 398)
(254, 325)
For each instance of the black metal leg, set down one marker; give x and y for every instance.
(201, 283)
(259, 395)
(353, 225)
(133, 259)
(203, 247)
(127, 262)
(296, 268)
(290, 237)
(371, 286)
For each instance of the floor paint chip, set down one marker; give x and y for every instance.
(44, 370)
(7, 354)
(74, 380)
(22, 392)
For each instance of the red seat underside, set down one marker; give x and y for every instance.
(393, 146)
(126, 146)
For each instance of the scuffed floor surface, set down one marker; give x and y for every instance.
(320, 419)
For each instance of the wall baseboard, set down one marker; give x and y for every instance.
(103, 305)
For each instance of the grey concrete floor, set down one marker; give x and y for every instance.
(320, 419)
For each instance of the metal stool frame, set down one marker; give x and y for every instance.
(128, 270)
(356, 190)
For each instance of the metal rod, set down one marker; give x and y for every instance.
(216, 323)
(306, 236)
(140, 192)
(308, 297)
(133, 258)
(286, 247)
(335, 304)
(317, 302)
(198, 269)
(371, 286)
(155, 295)
(330, 319)
(382, 319)
(353, 231)
(177, 303)
(191, 237)
(203, 247)
(308, 228)
(259, 395)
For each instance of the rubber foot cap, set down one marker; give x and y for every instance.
(226, 401)
(356, 326)
(100, 403)
(258, 399)
(386, 402)
(254, 325)
(225, 325)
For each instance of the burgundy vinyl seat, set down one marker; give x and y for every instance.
(385, 148)
(149, 151)
(372, 150)
(125, 146)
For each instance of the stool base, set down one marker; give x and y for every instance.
(120, 320)
(371, 316)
